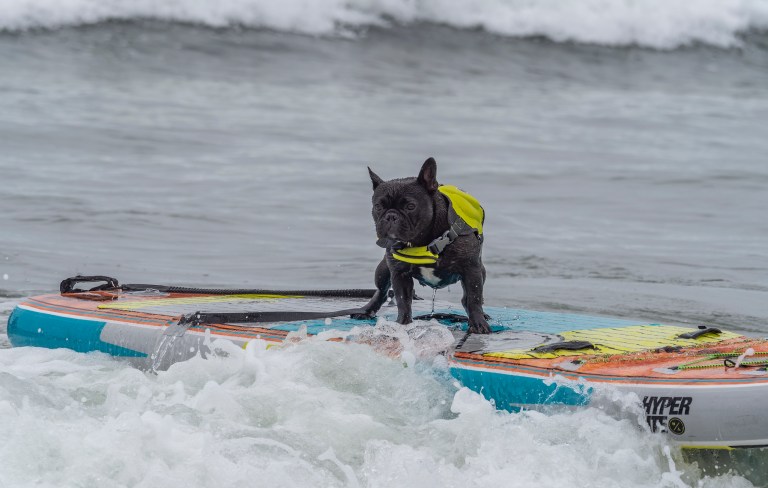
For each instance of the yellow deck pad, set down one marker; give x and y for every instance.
(620, 340)
(164, 302)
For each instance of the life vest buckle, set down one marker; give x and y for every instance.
(438, 245)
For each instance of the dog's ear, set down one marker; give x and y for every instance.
(428, 175)
(375, 178)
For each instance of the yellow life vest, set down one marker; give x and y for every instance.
(466, 216)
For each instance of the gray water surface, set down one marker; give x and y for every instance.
(619, 181)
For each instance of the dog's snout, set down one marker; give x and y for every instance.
(391, 217)
(389, 225)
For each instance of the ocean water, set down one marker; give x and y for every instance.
(619, 148)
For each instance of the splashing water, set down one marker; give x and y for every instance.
(161, 356)
(312, 413)
(164, 346)
(419, 340)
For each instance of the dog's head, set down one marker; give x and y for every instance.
(403, 208)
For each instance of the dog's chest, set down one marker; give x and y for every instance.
(433, 277)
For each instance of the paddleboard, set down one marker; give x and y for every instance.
(702, 387)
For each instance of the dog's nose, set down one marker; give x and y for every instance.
(391, 217)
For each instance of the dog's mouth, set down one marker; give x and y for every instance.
(394, 238)
(388, 242)
(390, 234)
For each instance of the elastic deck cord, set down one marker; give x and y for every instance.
(727, 361)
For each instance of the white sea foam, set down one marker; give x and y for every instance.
(312, 414)
(653, 23)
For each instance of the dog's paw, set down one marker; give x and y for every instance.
(480, 327)
(487, 317)
(362, 316)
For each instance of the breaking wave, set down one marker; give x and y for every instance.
(661, 24)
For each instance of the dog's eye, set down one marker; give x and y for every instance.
(377, 207)
(410, 206)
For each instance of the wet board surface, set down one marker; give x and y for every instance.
(516, 333)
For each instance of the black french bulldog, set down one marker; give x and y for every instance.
(417, 223)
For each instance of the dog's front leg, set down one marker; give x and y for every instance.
(472, 283)
(383, 281)
(402, 284)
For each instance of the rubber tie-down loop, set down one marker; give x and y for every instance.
(698, 333)
(68, 285)
(565, 345)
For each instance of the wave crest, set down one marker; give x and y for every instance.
(661, 24)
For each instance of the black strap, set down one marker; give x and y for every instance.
(448, 317)
(68, 286)
(461, 341)
(344, 293)
(200, 318)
